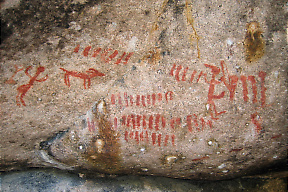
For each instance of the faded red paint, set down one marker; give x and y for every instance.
(256, 122)
(192, 76)
(262, 76)
(236, 150)
(11, 80)
(86, 51)
(23, 89)
(231, 83)
(276, 136)
(198, 159)
(85, 76)
(91, 125)
(96, 52)
(76, 49)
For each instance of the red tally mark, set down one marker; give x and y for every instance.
(106, 55)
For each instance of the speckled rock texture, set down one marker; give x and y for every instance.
(183, 89)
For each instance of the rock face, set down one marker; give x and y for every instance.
(183, 89)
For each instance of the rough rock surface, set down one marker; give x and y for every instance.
(184, 89)
(55, 180)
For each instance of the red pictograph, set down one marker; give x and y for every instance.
(85, 76)
(230, 82)
(23, 89)
(106, 55)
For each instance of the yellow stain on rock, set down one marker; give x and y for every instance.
(254, 43)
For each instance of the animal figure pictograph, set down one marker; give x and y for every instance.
(23, 89)
(85, 76)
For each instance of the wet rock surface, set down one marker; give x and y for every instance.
(182, 89)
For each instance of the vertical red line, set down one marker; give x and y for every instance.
(119, 60)
(133, 121)
(154, 138)
(178, 121)
(254, 88)
(192, 76)
(262, 76)
(144, 122)
(151, 122)
(126, 136)
(141, 136)
(163, 122)
(172, 69)
(131, 135)
(126, 99)
(76, 49)
(96, 52)
(159, 96)
(147, 136)
(153, 98)
(184, 74)
(86, 51)
(128, 120)
(157, 120)
(138, 100)
(137, 137)
(119, 99)
(189, 123)
(171, 96)
(172, 122)
(244, 85)
(177, 72)
(131, 100)
(202, 123)
(127, 58)
(138, 119)
(196, 121)
(114, 54)
(173, 139)
(143, 100)
(124, 120)
(159, 140)
(166, 140)
(113, 99)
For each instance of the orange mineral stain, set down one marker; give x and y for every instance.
(254, 43)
